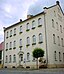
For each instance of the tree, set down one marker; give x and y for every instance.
(38, 52)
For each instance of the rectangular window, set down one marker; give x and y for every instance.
(58, 40)
(54, 39)
(14, 31)
(10, 33)
(20, 29)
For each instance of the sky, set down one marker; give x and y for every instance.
(11, 11)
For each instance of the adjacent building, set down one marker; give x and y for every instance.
(44, 30)
(1, 54)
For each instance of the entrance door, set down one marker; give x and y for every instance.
(21, 59)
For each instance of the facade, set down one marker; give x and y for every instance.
(1, 54)
(44, 30)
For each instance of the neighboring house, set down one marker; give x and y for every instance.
(1, 54)
(44, 30)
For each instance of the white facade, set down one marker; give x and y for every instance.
(44, 30)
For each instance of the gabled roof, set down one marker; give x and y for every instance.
(57, 3)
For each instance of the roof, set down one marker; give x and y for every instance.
(57, 3)
(23, 21)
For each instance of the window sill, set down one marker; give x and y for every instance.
(6, 49)
(28, 45)
(6, 37)
(20, 46)
(27, 30)
(39, 25)
(10, 35)
(33, 27)
(20, 32)
(14, 34)
(40, 42)
(14, 48)
(10, 48)
(33, 43)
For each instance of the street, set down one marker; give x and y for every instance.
(41, 71)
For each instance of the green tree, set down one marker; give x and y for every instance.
(38, 52)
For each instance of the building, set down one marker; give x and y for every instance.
(44, 30)
(1, 54)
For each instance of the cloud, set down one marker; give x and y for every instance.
(38, 6)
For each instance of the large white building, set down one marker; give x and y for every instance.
(44, 30)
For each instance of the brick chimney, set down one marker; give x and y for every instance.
(29, 16)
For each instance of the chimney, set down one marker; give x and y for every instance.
(29, 16)
(57, 2)
(20, 20)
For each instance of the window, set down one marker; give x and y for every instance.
(27, 27)
(20, 29)
(10, 33)
(28, 56)
(6, 46)
(63, 57)
(33, 24)
(7, 35)
(62, 42)
(28, 41)
(34, 39)
(58, 40)
(14, 44)
(60, 28)
(55, 55)
(21, 57)
(40, 38)
(20, 42)
(6, 58)
(39, 22)
(54, 13)
(52, 23)
(54, 39)
(10, 58)
(59, 56)
(14, 31)
(57, 25)
(14, 58)
(10, 45)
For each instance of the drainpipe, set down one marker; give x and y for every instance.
(46, 40)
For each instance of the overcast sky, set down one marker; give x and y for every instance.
(11, 11)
